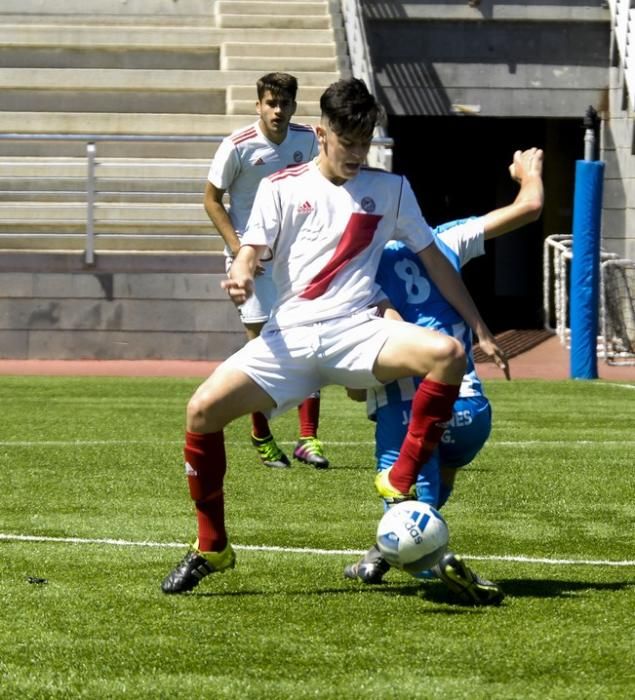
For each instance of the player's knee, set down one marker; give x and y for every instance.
(200, 413)
(452, 360)
(196, 408)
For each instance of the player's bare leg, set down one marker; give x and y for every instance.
(226, 395)
(440, 359)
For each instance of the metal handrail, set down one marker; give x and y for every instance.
(361, 62)
(91, 163)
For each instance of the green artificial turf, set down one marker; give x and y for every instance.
(91, 470)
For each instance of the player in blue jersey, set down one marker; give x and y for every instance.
(417, 300)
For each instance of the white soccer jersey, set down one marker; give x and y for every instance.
(247, 155)
(466, 239)
(327, 240)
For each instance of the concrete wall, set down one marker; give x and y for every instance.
(618, 133)
(498, 59)
(104, 314)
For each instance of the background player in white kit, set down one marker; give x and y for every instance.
(326, 224)
(243, 158)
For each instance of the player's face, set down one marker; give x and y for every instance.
(342, 155)
(275, 112)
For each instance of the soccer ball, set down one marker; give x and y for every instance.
(412, 536)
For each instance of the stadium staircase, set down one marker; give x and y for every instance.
(141, 68)
(159, 83)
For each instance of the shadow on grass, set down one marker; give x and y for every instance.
(430, 592)
(435, 592)
(551, 588)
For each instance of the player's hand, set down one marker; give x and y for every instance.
(491, 348)
(239, 290)
(526, 164)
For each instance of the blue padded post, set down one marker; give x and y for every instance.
(585, 269)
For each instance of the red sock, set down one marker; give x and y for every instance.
(309, 415)
(260, 425)
(205, 466)
(431, 409)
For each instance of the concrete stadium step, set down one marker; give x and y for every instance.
(190, 48)
(85, 90)
(276, 22)
(267, 7)
(268, 57)
(168, 38)
(135, 79)
(130, 123)
(105, 8)
(147, 168)
(124, 101)
(109, 90)
(120, 57)
(65, 240)
(111, 149)
(111, 191)
(267, 64)
(140, 215)
(281, 50)
(117, 180)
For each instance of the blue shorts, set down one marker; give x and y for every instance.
(466, 434)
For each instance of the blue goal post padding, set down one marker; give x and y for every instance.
(585, 269)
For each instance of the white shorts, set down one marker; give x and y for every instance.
(258, 307)
(293, 363)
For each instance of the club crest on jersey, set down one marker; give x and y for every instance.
(368, 205)
(297, 157)
(260, 161)
(304, 208)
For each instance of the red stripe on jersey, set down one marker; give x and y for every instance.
(357, 235)
(289, 171)
(249, 133)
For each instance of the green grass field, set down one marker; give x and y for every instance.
(94, 501)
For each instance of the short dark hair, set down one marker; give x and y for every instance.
(349, 107)
(277, 84)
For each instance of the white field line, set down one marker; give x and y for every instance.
(8, 537)
(340, 443)
(618, 386)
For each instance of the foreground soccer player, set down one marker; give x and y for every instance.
(243, 158)
(406, 283)
(325, 224)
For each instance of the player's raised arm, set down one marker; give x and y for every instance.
(453, 289)
(526, 170)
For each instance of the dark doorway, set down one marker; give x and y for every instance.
(458, 168)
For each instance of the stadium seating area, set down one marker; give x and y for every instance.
(154, 85)
(141, 69)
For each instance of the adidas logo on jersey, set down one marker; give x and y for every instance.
(305, 208)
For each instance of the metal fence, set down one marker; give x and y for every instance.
(94, 167)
